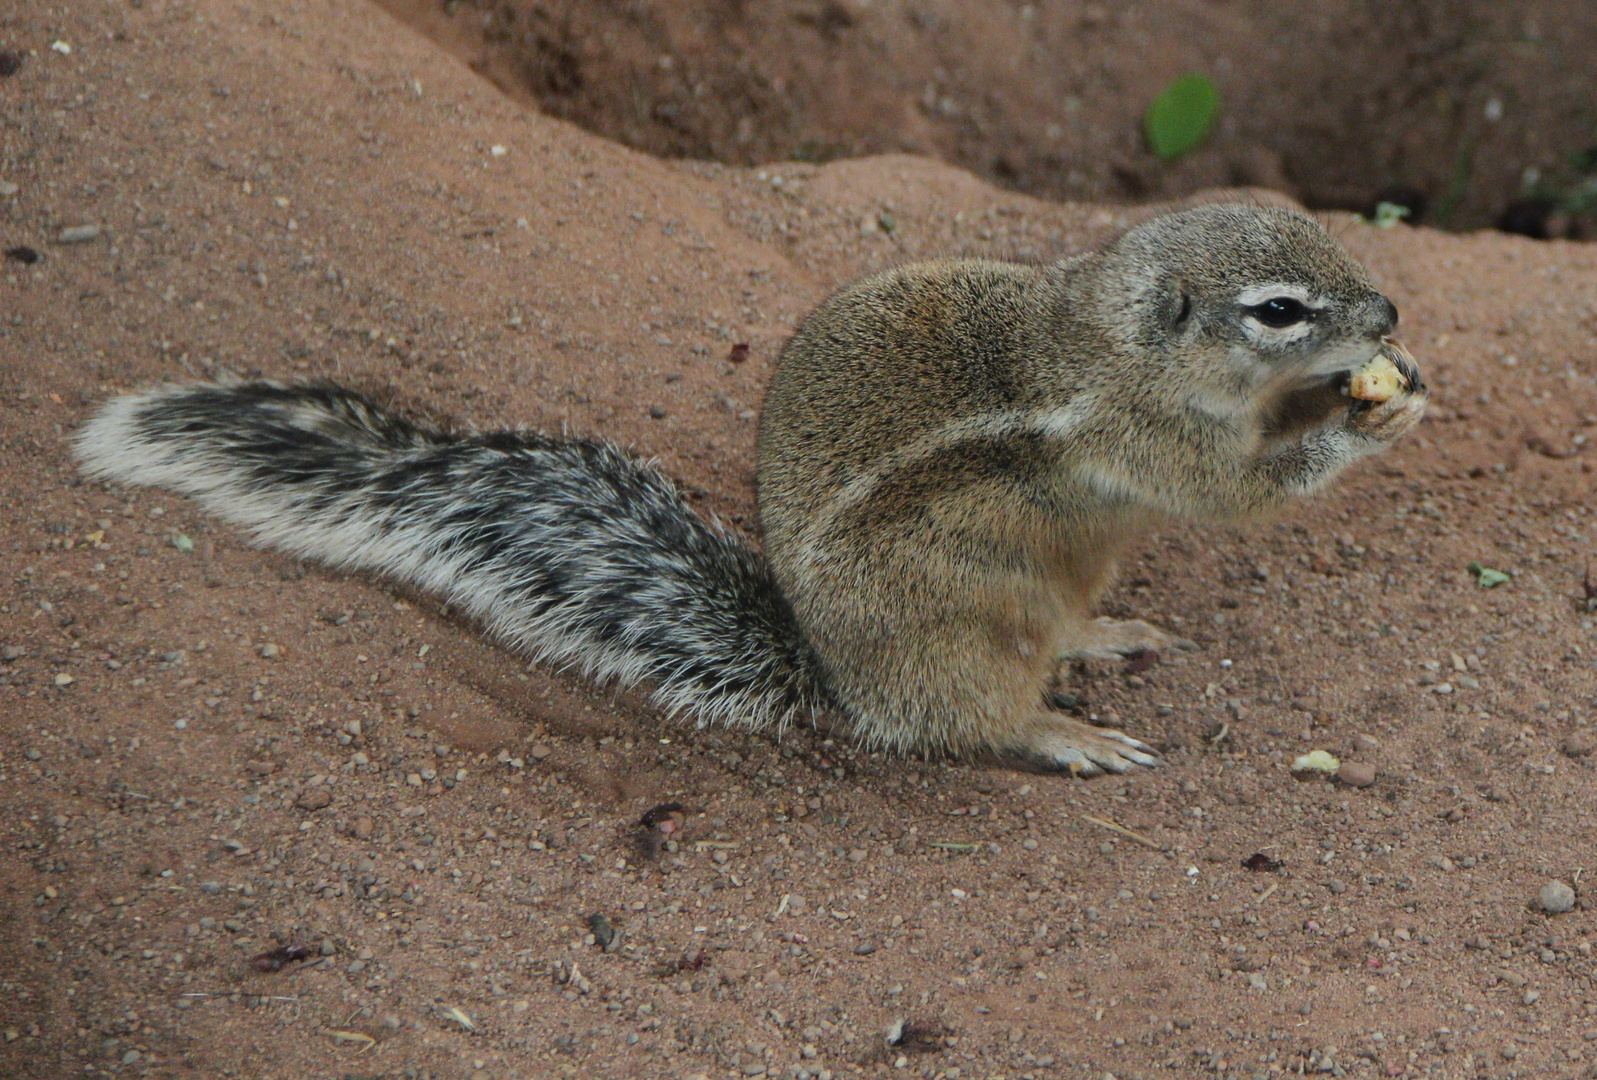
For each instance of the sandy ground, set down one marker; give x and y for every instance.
(208, 751)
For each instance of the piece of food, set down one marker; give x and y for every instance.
(1380, 379)
(1316, 761)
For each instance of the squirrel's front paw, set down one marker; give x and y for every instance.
(1058, 742)
(1387, 420)
(1382, 415)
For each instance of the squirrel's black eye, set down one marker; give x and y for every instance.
(1280, 312)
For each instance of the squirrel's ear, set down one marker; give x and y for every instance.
(1180, 306)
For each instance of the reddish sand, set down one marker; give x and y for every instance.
(316, 192)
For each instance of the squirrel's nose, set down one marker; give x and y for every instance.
(1387, 317)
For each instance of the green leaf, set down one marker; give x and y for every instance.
(1181, 116)
(1486, 577)
(1389, 214)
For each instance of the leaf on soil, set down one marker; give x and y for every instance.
(1260, 863)
(279, 958)
(659, 824)
(1129, 834)
(667, 817)
(1388, 214)
(682, 963)
(1180, 117)
(918, 1036)
(1316, 761)
(1486, 577)
(603, 931)
(366, 1041)
(451, 1013)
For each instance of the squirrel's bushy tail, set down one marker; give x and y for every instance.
(566, 549)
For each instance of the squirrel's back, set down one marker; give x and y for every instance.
(888, 361)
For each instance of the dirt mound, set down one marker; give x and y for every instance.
(208, 752)
(1442, 105)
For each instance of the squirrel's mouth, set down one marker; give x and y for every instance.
(1305, 406)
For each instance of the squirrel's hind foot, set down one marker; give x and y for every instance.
(1105, 638)
(1060, 743)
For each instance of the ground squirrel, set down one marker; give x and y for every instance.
(951, 455)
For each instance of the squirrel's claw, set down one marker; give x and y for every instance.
(1084, 750)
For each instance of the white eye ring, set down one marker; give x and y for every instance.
(1281, 312)
(1278, 313)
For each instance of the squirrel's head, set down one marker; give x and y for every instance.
(1241, 296)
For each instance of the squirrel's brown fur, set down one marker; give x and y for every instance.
(953, 453)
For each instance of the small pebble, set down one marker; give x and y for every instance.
(1555, 898)
(78, 234)
(315, 798)
(539, 752)
(8, 189)
(1356, 773)
(1579, 744)
(363, 828)
(271, 651)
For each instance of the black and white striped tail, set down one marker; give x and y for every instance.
(567, 549)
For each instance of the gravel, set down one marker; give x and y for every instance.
(316, 798)
(1579, 744)
(78, 234)
(1356, 773)
(1556, 897)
